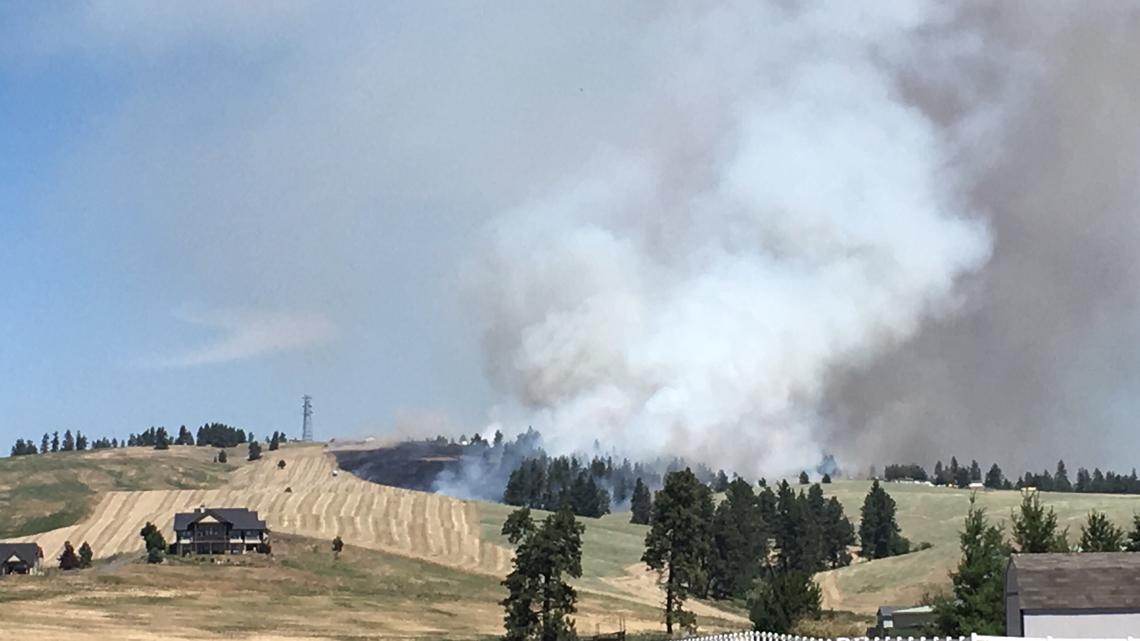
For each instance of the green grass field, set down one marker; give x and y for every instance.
(44, 492)
(935, 515)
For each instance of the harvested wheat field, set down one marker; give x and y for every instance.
(308, 497)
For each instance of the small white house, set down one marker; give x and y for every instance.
(1075, 596)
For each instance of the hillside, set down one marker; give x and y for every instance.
(934, 515)
(408, 537)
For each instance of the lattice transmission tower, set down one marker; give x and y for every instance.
(307, 421)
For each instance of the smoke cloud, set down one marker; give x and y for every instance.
(785, 214)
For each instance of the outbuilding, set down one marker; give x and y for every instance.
(1076, 596)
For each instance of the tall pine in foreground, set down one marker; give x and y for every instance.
(977, 604)
(1133, 543)
(879, 534)
(540, 599)
(641, 504)
(677, 545)
(739, 542)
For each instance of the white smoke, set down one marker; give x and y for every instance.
(777, 212)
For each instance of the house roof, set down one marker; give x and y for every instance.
(238, 517)
(26, 552)
(1089, 580)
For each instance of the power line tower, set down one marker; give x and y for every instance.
(307, 422)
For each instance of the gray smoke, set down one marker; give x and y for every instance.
(784, 212)
(1044, 362)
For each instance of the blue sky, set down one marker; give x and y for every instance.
(189, 234)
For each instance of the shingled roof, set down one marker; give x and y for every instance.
(26, 552)
(1091, 580)
(238, 517)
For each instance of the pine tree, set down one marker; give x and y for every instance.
(677, 545)
(1133, 543)
(781, 600)
(739, 542)
(68, 560)
(1100, 535)
(222, 456)
(254, 450)
(337, 546)
(977, 604)
(55, 441)
(161, 440)
(994, 478)
(68, 442)
(804, 480)
(826, 479)
(274, 443)
(975, 472)
(1061, 479)
(641, 504)
(879, 534)
(797, 534)
(1035, 529)
(540, 599)
(80, 441)
(45, 444)
(838, 534)
(939, 474)
(85, 555)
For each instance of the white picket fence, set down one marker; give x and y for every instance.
(772, 636)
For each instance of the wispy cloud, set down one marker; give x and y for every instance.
(245, 333)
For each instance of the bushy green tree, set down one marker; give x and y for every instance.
(1133, 543)
(1035, 528)
(85, 555)
(337, 546)
(640, 504)
(677, 545)
(838, 535)
(222, 456)
(976, 604)
(781, 600)
(1098, 534)
(68, 559)
(254, 450)
(804, 480)
(739, 542)
(540, 599)
(879, 534)
(154, 541)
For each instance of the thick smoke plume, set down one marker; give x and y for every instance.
(783, 213)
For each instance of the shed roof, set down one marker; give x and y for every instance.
(238, 517)
(26, 552)
(1090, 580)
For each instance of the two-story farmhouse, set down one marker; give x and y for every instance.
(225, 530)
(21, 558)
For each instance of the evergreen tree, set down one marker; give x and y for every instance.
(154, 541)
(804, 480)
(796, 532)
(55, 441)
(1061, 479)
(68, 560)
(85, 555)
(677, 545)
(1035, 528)
(45, 444)
(739, 542)
(975, 472)
(1100, 535)
(641, 505)
(939, 474)
(222, 456)
(254, 450)
(337, 546)
(977, 604)
(994, 478)
(826, 479)
(1133, 543)
(80, 441)
(721, 482)
(161, 440)
(68, 442)
(782, 600)
(838, 534)
(540, 599)
(879, 534)
(274, 443)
